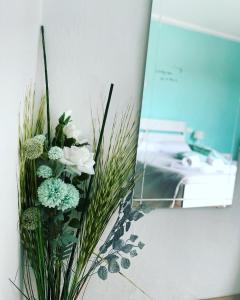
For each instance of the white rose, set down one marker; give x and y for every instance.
(71, 131)
(80, 159)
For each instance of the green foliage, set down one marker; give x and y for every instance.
(61, 237)
(59, 139)
(114, 246)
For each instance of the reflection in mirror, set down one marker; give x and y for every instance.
(189, 126)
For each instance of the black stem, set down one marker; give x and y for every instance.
(87, 201)
(46, 85)
(25, 296)
(48, 133)
(99, 144)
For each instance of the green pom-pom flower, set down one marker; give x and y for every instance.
(33, 148)
(71, 199)
(52, 192)
(41, 138)
(44, 172)
(31, 218)
(55, 153)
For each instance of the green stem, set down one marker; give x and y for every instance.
(58, 279)
(47, 89)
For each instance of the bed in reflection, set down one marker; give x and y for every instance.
(179, 174)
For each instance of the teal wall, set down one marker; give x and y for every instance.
(193, 77)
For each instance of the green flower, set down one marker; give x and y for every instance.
(52, 192)
(33, 148)
(31, 218)
(41, 138)
(55, 153)
(44, 171)
(71, 199)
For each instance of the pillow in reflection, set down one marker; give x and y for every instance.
(170, 147)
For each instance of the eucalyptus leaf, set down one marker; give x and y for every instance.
(111, 256)
(113, 266)
(127, 210)
(125, 263)
(133, 238)
(105, 246)
(118, 244)
(128, 225)
(133, 253)
(135, 215)
(119, 233)
(141, 245)
(103, 273)
(127, 248)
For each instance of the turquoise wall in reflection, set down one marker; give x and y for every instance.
(194, 77)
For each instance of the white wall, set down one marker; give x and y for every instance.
(90, 44)
(19, 25)
(190, 254)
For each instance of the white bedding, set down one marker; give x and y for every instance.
(165, 176)
(162, 155)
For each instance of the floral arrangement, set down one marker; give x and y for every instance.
(68, 192)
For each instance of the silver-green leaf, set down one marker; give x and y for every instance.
(118, 245)
(127, 248)
(133, 238)
(113, 266)
(133, 253)
(125, 263)
(141, 245)
(103, 273)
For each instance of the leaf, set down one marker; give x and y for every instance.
(128, 225)
(66, 121)
(135, 215)
(141, 245)
(146, 208)
(119, 233)
(59, 218)
(75, 223)
(129, 197)
(69, 142)
(127, 210)
(105, 246)
(127, 248)
(83, 177)
(118, 244)
(113, 266)
(62, 118)
(68, 238)
(125, 263)
(133, 238)
(133, 253)
(111, 256)
(103, 273)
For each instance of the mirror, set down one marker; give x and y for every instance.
(189, 123)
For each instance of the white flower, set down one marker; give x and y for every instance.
(79, 159)
(71, 131)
